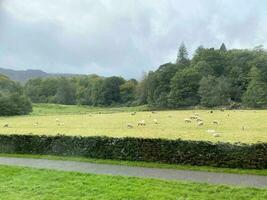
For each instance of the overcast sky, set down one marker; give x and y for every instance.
(121, 37)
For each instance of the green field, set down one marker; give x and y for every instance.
(25, 183)
(247, 126)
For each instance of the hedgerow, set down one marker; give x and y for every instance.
(250, 156)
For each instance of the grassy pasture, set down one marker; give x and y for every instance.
(75, 120)
(26, 183)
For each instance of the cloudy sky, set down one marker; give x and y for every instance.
(121, 37)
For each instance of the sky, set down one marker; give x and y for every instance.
(121, 37)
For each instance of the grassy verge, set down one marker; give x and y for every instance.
(26, 183)
(262, 172)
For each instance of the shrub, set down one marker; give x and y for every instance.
(252, 156)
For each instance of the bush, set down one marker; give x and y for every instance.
(13, 101)
(139, 149)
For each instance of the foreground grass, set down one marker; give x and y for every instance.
(26, 183)
(246, 126)
(262, 172)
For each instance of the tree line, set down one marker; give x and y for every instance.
(211, 78)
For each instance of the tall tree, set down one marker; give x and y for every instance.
(182, 57)
(223, 48)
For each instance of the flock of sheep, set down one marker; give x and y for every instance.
(194, 117)
(200, 122)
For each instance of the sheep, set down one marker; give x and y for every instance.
(216, 122)
(5, 126)
(187, 120)
(199, 120)
(200, 123)
(141, 123)
(192, 117)
(196, 114)
(129, 125)
(155, 121)
(36, 124)
(57, 120)
(210, 131)
(216, 135)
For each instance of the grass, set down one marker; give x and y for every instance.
(75, 120)
(58, 109)
(260, 172)
(25, 183)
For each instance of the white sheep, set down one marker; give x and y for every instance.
(196, 114)
(199, 120)
(210, 131)
(216, 134)
(192, 117)
(216, 122)
(187, 120)
(129, 125)
(36, 124)
(155, 121)
(200, 123)
(141, 123)
(57, 120)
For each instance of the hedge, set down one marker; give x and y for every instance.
(248, 156)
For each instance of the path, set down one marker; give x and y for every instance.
(166, 174)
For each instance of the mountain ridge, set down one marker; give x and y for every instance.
(25, 75)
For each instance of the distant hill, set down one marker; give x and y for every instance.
(24, 75)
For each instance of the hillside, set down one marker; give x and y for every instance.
(24, 75)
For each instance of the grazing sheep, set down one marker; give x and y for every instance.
(155, 121)
(215, 122)
(129, 125)
(200, 123)
(36, 124)
(210, 131)
(57, 120)
(192, 117)
(133, 113)
(141, 123)
(187, 120)
(5, 126)
(199, 120)
(216, 135)
(196, 114)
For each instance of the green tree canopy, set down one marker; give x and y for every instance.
(13, 101)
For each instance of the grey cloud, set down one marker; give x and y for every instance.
(120, 37)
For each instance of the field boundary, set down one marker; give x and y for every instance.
(199, 153)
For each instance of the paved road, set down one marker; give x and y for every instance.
(166, 174)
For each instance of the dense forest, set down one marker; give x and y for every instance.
(212, 78)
